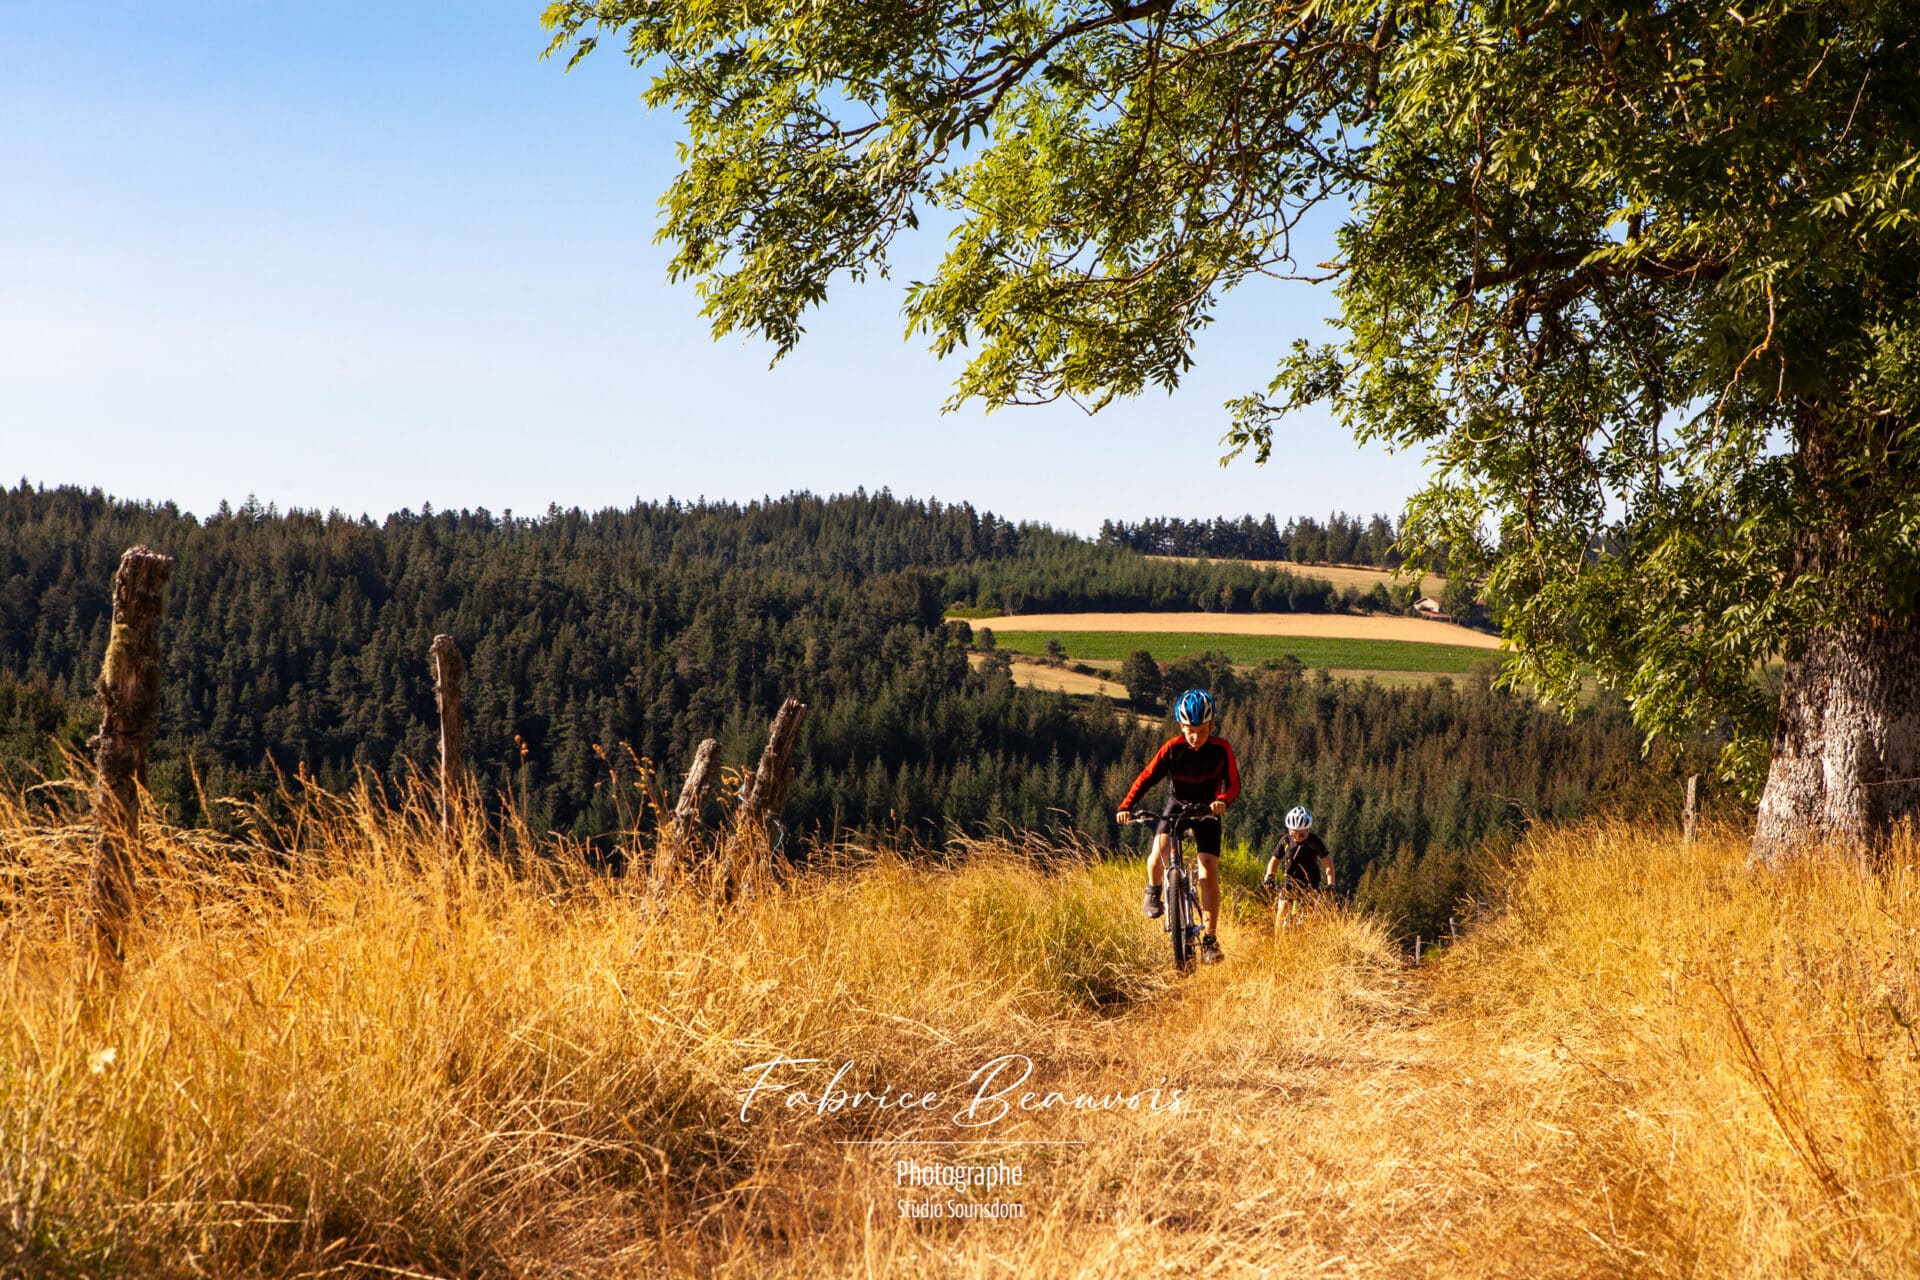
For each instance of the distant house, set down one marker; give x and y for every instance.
(1428, 607)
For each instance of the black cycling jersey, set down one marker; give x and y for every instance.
(1303, 858)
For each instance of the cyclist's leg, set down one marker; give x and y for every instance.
(1206, 842)
(1209, 878)
(1157, 860)
(1296, 890)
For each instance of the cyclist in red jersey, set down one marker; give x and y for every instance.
(1202, 770)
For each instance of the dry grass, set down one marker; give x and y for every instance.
(1030, 674)
(1336, 626)
(1361, 576)
(354, 1060)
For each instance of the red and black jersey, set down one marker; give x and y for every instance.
(1199, 775)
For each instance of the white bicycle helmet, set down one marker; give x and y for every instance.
(1299, 818)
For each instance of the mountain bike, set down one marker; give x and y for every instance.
(1296, 904)
(1183, 905)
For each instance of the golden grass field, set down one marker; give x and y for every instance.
(1339, 626)
(1361, 576)
(1030, 674)
(365, 1059)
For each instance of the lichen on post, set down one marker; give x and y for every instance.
(129, 689)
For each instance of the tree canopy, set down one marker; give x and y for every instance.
(1640, 278)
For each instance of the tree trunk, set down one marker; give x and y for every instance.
(1846, 751)
(449, 675)
(129, 691)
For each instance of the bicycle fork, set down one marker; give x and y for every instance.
(1189, 913)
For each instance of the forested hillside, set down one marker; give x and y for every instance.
(1343, 539)
(298, 641)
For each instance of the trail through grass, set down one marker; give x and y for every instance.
(356, 1058)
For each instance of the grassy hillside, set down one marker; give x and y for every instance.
(364, 1061)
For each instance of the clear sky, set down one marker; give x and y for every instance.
(365, 257)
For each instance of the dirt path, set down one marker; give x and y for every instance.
(1336, 1119)
(1346, 1123)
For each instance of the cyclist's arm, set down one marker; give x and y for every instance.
(1155, 770)
(1326, 865)
(1230, 787)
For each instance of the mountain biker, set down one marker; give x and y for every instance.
(1202, 770)
(1309, 865)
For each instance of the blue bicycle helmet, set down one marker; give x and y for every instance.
(1195, 707)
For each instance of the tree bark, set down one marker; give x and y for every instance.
(449, 678)
(129, 689)
(767, 792)
(686, 814)
(1846, 750)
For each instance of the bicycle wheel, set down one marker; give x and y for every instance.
(1177, 915)
(1287, 909)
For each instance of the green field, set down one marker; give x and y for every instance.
(1312, 651)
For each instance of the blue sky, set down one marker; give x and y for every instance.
(369, 257)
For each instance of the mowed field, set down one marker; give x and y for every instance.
(1360, 576)
(1333, 626)
(1346, 643)
(1351, 655)
(1039, 675)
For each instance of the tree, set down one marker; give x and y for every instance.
(1458, 598)
(1141, 676)
(1639, 278)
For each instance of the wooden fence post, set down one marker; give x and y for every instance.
(1690, 816)
(129, 689)
(767, 791)
(686, 814)
(449, 676)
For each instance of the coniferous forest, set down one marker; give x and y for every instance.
(1342, 539)
(295, 646)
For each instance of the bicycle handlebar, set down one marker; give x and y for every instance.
(1173, 813)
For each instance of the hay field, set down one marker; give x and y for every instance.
(1039, 675)
(1359, 576)
(363, 1060)
(1336, 626)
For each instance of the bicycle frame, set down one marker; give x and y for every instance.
(1183, 904)
(1296, 904)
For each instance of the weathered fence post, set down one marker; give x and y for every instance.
(449, 675)
(686, 813)
(766, 793)
(1690, 816)
(129, 689)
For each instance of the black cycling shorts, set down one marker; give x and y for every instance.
(1206, 833)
